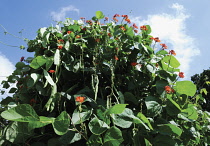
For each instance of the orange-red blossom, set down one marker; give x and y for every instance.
(181, 74)
(172, 52)
(164, 46)
(143, 27)
(80, 99)
(168, 89)
(51, 71)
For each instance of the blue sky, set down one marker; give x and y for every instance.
(181, 24)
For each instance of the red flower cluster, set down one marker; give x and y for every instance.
(80, 99)
(60, 41)
(156, 39)
(32, 101)
(116, 58)
(114, 17)
(164, 46)
(89, 22)
(97, 40)
(60, 47)
(133, 63)
(106, 19)
(143, 27)
(22, 59)
(172, 52)
(82, 18)
(78, 36)
(51, 71)
(123, 28)
(69, 32)
(181, 74)
(168, 89)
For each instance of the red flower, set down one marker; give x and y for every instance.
(60, 47)
(106, 19)
(136, 31)
(125, 16)
(168, 89)
(22, 58)
(181, 74)
(109, 34)
(69, 32)
(133, 63)
(164, 46)
(80, 99)
(143, 27)
(128, 20)
(115, 19)
(60, 41)
(156, 39)
(172, 52)
(116, 58)
(89, 22)
(135, 26)
(97, 40)
(32, 101)
(116, 15)
(78, 36)
(82, 18)
(123, 28)
(51, 71)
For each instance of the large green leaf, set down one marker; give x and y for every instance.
(145, 120)
(79, 117)
(61, 123)
(113, 137)
(172, 107)
(169, 129)
(21, 113)
(116, 109)
(153, 107)
(38, 62)
(160, 84)
(99, 15)
(185, 87)
(172, 61)
(190, 112)
(17, 132)
(97, 126)
(70, 137)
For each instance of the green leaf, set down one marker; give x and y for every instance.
(153, 107)
(99, 15)
(70, 137)
(61, 123)
(203, 90)
(34, 78)
(168, 129)
(12, 90)
(172, 107)
(49, 62)
(149, 30)
(17, 132)
(116, 109)
(38, 62)
(57, 57)
(48, 77)
(113, 137)
(164, 140)
(20, 65)
(190, 112)
(160, 84)
(21, 113)
(129, 32)
(97, 126)
(144, 119)
(130, 97)
(79, 117)
(185, 87)
(172, 61)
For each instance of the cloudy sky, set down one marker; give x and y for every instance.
(181, 24)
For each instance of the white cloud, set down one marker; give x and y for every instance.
(6, 69)
(61, 15)
(171, 29)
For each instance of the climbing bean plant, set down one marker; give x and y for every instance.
(104, 81)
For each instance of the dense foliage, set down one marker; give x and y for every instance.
(202, 82)
(101, 84)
